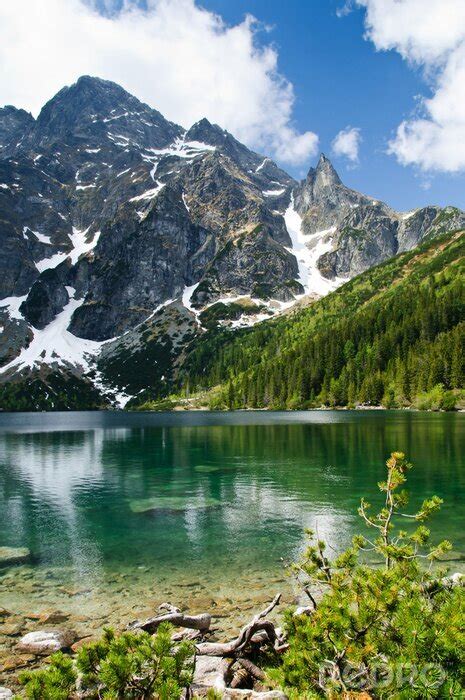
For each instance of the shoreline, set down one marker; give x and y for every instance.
(60, 607)
(206, 409)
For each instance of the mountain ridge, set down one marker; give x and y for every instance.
(110, 215)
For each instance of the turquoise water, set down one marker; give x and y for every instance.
(121, 511)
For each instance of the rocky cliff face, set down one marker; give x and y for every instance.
(111, 217)
(360, 231)
(14, 125)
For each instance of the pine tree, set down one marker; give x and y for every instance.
(393, 630)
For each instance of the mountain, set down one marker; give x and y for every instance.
(125, 236)
(392, 335)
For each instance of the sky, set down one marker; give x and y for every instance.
(377, 85)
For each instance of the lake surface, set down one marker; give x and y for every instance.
(124, 510)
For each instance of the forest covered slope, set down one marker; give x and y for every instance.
(394, 336)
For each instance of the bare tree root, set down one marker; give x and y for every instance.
(258, 631)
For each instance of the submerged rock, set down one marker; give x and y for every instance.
(11, 629)
(13, 663)
(46, 641)
(13, 555)
(172, 503)
(53, 617)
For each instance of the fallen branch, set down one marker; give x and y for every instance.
(176, 618)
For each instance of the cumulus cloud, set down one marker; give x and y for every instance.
(172, 54)
(430, 35)
(347, 143)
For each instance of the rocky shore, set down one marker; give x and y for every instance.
(45, 612)
(29, 641)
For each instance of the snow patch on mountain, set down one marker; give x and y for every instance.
(187, 296)
(262, 165)
(81, 245)
(307, 251)
(12, 304)
(55, 344)
(273, 193)
(149, 194)
(40, 236)
(51, 262)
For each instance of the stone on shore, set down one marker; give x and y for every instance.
(210, 672)
(46, 641)
(13, 555)
(5, 693)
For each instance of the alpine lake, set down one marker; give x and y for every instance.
(123, 511)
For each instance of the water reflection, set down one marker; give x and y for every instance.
(218, 496)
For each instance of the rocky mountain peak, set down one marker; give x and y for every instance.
(324, 176)
(253, 163)
(206, 132)
(86, 97)
(92, 107)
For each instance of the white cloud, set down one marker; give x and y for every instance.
(431, 35)
(179, 58)
(345, 9)
(347, 143)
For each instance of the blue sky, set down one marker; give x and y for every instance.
(285, 84)
(339, 80)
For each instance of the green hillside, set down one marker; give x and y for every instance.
(394, 335)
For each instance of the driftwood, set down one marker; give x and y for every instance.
(238, 669)
(252, 669)
(258, 631)
(175, 617)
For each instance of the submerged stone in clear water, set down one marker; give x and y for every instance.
(13, 555)
(173, 503)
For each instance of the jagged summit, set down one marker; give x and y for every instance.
(214, 135)
(205, 130)
(88, 97)
(324, 175)
(91, 109)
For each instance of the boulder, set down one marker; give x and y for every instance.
(210, 672)
(11, 663)
(5, 693)
(46, 641)
(456, 580)
(13, 555)
(303, 610)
